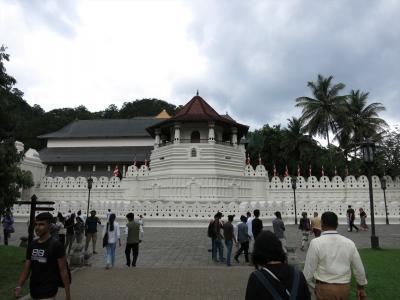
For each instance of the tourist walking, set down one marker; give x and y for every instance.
(69, 226)
(256, 224)
(249, 223)
(363, 218)
(279, 229)
(141, 223)
(111, 233)
(108, 214)
(46, 263)
(305, 227)
(273, 278)
(61, 231)
(351, 216)
(316, 225)
(243, 239)
(229, 237)
(218, 247)
(329, 261)
(79, 228)
(132, 231)
(91, 230)
(8, 225)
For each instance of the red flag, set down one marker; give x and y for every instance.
(298, 171)
(145, 162)
(309, 171)
(116, 171)
(248, 159)
(286, 171)
(259, 159)
(274, 170)
(322, 171)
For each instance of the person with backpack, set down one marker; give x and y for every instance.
(8, 226)
(274, 279)
(46, 263)
(305, 227)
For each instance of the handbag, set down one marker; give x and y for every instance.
(105, 237)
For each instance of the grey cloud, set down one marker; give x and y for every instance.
(262, 54)
(58, 16)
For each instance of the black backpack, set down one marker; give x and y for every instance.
(60, 283)
(210, 230)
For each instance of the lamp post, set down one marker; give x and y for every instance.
(383, 186)
(294, 186)
(368, 149)
(89, 186)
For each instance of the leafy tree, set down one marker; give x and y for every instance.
(359, 121)
(11, 177)
(321, 111)
(146, 107)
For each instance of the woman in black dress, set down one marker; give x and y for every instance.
(273, 278)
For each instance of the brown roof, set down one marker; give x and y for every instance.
(197, 109)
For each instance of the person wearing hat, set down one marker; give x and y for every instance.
(91, 230)
(273, 278)
(46, 262)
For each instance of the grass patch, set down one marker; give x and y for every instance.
(382, 269)
(11, 262)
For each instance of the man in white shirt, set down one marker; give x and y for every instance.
(250, 230)
(329, 261)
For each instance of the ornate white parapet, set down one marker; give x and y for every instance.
(177, 136)
(211, 133)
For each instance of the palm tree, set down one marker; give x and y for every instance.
(321, 112)
(296, 142)
(359, 121)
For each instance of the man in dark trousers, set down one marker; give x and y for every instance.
(132, 241)
(256, 224)
(351, 217)
(91, 230)
(46, 262)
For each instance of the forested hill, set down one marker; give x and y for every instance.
(26, 122)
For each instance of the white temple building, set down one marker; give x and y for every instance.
(198, 167)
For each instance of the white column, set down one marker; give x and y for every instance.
(177, 138)
(157, 139)
(108, 168)
(123, 170)
(94, 168)
(50, 169)
(211, 134)
(65, 168)
(79, 168)
(234, 136)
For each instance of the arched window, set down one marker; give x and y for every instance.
(195, 137)
(193, 153)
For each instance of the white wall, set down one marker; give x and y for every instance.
(111, 142)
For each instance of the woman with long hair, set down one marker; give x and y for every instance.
(273, 278)
(111, 233)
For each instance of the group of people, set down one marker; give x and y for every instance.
(329, 259)
(351, 216)
(46, 258)
(241, 234)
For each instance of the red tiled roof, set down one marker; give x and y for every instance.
(197, 108)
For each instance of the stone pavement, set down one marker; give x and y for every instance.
(174, 263)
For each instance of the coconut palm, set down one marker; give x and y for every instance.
(296, 142)
(359, 121)
(321, 112)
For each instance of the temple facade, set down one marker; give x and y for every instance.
(197, 167)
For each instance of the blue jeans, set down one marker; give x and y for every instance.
(218, 247)
(110, 254)
(229, 245)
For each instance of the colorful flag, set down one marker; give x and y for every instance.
(259, 159)
(298, 171)
(286, 171)
(248, 159)
(309, 171)
(274, 171)
(322, 171)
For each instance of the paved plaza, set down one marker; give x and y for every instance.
(174, 263)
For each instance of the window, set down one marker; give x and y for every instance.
(193, 153)
(195, 137)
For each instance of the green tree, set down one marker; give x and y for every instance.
(146, 107)
(321, 111)
(359, 121)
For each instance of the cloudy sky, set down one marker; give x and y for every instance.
(248, 58)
